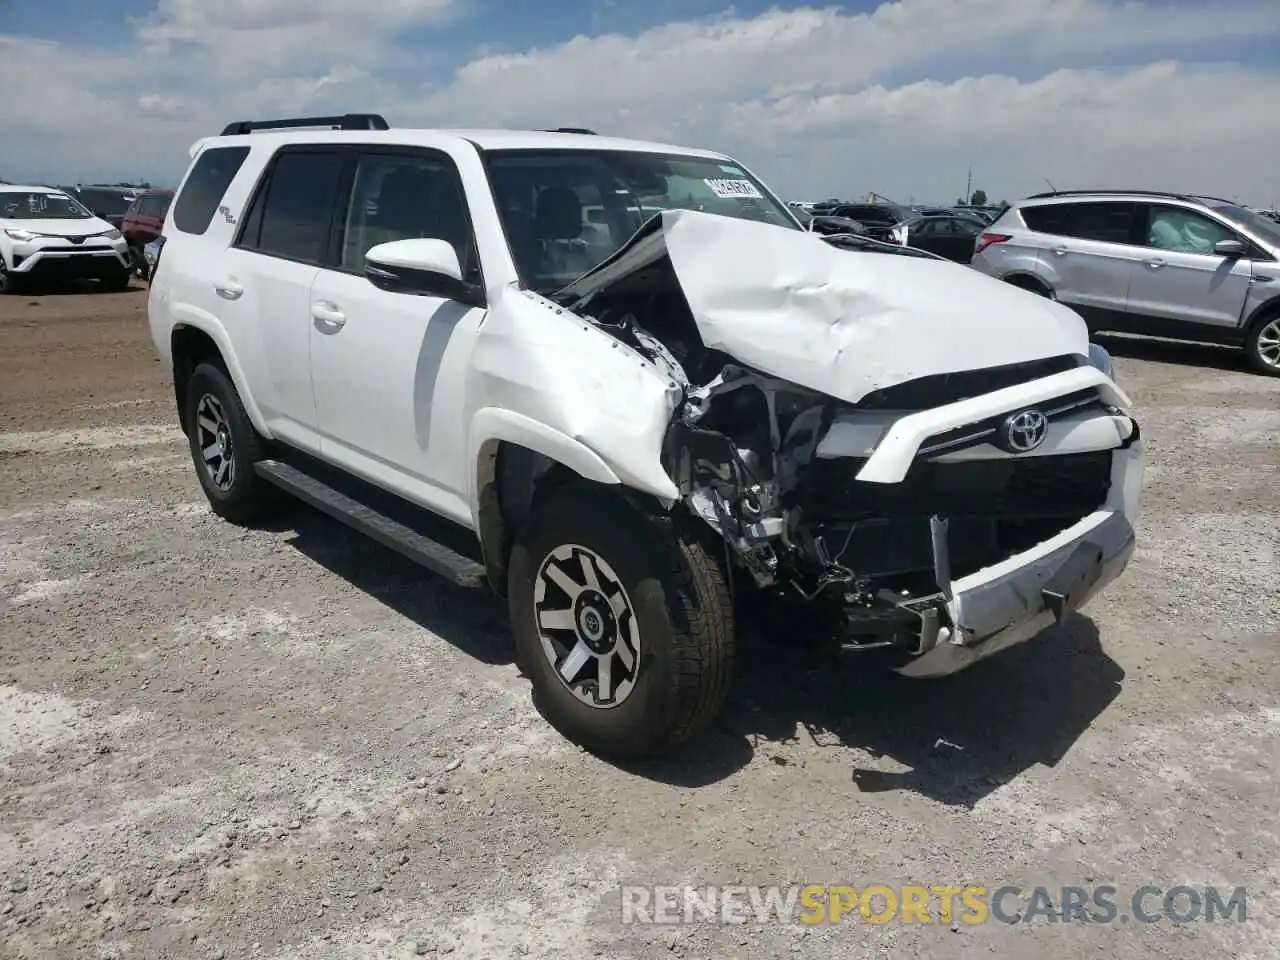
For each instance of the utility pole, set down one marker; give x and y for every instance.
(968, 187)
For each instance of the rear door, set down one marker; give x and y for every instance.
(1180, 279)
(1092, 260)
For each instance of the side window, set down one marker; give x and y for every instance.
(1048, 218)
(928, 228)
(1107, 222)
(404, 197)
(292, 213)
(1179, 230)
(213, 172)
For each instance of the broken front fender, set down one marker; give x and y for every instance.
(578, 395)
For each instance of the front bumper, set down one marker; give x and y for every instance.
(999, 612)
(94, 258)
(1013, 601)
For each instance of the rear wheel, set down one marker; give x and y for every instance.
(224, 447)
(1262, 344)
(623, 625)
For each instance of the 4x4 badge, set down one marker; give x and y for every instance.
(1022, 432)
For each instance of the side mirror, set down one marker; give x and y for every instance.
(420, 267)
(1229, 248)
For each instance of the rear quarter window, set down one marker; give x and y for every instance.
(1048, 218)
(205, 186)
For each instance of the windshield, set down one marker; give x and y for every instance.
(565, 211)
(24, 205)
(1268, 230)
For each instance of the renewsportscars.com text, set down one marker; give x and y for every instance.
(945, 904)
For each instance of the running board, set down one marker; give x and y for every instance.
(389, 532)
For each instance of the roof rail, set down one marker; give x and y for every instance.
(583, 130)
(1103, 193)
(347, 121)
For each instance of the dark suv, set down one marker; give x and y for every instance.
(142, 223)
(107, 202)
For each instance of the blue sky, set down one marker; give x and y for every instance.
(839, 98)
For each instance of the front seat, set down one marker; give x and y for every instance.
(557, 224)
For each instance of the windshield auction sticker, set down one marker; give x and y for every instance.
(733, 189)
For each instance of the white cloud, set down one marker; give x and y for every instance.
(819, 101)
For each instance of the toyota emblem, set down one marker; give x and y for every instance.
(1022, 432)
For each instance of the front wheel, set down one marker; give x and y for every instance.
(1263, 345)
(9, 281)
(623, 625)
(117, 281)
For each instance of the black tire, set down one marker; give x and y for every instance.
(139, 261)
(678, 605)
(9, 282)
(117, 281)
(246, 498)
(1260, 338)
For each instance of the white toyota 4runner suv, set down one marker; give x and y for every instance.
(637, 389)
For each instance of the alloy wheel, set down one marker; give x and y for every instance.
(587, 626)
(213, 438)
(1269, 344)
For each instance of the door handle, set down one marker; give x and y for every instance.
(328, 313)
(1060, 251)
(229, 289)
(1155, 263)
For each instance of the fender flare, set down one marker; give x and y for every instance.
(218, 334)
(492, 424)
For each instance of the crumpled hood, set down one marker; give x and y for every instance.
(841, 322)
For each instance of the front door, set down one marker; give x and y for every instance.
(1180, 279)
(389, 369)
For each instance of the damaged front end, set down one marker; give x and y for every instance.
(899, 514)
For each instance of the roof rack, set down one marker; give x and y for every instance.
(1103, 193)
(347, 121)
(582, 130)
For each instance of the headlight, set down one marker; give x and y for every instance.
(1099, 358)
(112, 234)
(20, 235)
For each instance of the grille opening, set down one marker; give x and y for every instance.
(995, 509)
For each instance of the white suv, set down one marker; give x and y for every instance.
(620, 383)
(48, 234)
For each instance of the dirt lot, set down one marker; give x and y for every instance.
(289, 743)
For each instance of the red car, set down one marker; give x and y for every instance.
(143, 222)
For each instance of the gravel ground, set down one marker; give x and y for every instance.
(290, 744)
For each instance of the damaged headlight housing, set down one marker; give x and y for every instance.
(1099, 358)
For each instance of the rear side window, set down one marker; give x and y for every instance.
(292, 214)
(1104, 222)
(1049, 218)
(213, 172)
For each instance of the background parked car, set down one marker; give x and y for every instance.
(952, 236)
(142, 223)
(107, 202)
(878, 218)
(1145, 262)
(46, 234)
